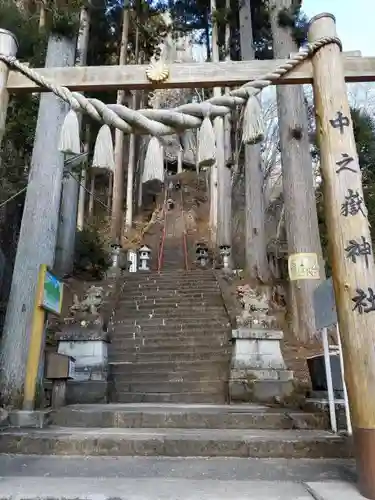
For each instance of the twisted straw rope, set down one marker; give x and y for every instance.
(159, 122)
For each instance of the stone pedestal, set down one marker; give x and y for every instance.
(88, 344)
(258, 371)
(37, 419)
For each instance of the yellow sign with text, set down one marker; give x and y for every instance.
(303, 266)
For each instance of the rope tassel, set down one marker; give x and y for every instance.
(253, 125)
(69, 136)
(206, 144)
(154, 161)
(103, 151)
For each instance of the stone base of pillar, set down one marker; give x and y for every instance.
(89, 346)
(258, 371)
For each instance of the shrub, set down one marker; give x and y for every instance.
(91, 254)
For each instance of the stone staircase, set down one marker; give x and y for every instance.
(169, 366)
(178, 430)
(170, 340)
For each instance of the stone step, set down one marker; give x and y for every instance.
(167, 330)
(172, 334)
(176, 442)
(191, 296)
(174, 366)
(163, 349)
(173, 313)
(178, 385)
(186, 289)
(196, 283)
(131, 480)
(118, 355)
(174, 307)
(190, 336)
(129, 376)
(208, 301)
(185, 282)
(166, 272)
(172, 299)
(173, 317)
(149, 292)
(174, 397)
(173, 278)
(192, 289)
(171, 322)
(186, 417)
(50, 478)
(168, 343)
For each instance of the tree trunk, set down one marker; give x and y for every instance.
(70, 188)
(82, 48)
(255, 235)
(38, 234)
(118, 176)
(298, 187)
(92, 193)
(219, 136)
(224, 173)
(83, 186)
(132, 150)
(207, 36)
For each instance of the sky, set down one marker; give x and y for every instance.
(355, 21)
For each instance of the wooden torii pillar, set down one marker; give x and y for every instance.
(350, 244)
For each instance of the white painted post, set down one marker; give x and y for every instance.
(331, 396)
(130, 182)
(8, 47)
(179, 160)
(346, 399)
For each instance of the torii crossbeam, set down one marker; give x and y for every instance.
(183, 75)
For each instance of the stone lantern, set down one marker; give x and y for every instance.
(225, 255)
(144, 258)
(170, 204)
(202, 254)
(115, 254)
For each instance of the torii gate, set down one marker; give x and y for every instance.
(348, 228)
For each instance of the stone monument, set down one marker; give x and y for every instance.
(258, 371)
(83, 337)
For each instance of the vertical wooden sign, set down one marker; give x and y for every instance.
(350, 243)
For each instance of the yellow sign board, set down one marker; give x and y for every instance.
(50, 293)
(303, 266)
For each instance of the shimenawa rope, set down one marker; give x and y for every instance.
(160, 122)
